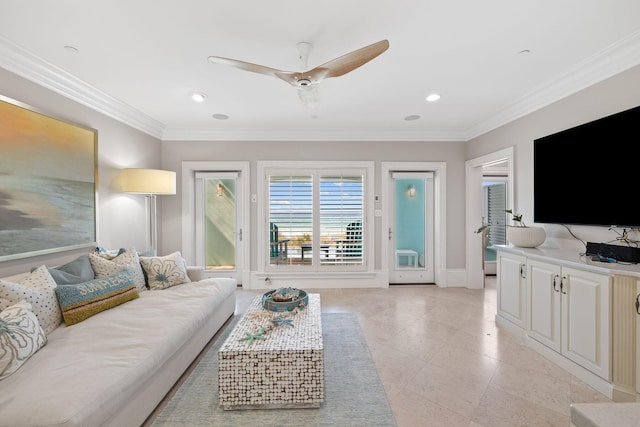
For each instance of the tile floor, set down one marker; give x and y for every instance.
(444, 362)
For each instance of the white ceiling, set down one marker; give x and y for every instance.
(139, 61)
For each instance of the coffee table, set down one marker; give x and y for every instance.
(283, 370)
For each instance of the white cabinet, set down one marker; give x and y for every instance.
(569, 311)
(511, 288)
(637, 310)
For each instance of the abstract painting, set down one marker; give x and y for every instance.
(47, 183)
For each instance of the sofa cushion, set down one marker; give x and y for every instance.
(38, 289)
(20, 337)
(165, 271)
(128, 259)
(81, 301)
(77, 271)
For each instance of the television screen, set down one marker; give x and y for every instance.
(588, 175)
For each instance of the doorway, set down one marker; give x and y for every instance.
(218, 213)
(435, 242)
(475, 212)
(215, 223)
(411, 231)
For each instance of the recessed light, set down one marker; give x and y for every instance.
(433, 97)
(412, 117)
(198, 97)
(220, 116)
(71, 49)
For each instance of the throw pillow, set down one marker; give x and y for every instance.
(128, 259)
(20, 337)
(81, 301)
(77, 271)
(38, 289)
(165, 271)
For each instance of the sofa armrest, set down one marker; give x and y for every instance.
(196, 274)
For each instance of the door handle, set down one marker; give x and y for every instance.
(390, 233)
(638, 303)
(555, 280)
(562, 284)
(240, 235)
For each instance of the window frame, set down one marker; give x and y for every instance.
(315, 169)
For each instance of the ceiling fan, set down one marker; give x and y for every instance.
(307, 81)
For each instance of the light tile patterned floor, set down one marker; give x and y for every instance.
(444, 362)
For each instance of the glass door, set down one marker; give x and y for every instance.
(218, 219)
(411, 228)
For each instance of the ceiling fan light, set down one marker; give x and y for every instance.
(309, 96)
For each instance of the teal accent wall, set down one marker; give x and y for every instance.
(410, 216)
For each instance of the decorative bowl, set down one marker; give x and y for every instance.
(301, 300)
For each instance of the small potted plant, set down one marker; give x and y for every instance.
(520, 234)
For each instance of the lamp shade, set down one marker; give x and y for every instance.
(149, 181)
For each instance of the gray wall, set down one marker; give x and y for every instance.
(121, 217)
(173, 153)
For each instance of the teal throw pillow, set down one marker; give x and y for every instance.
(81, 301)
(77, 271)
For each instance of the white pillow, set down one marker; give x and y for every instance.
(165, 271)
(129, 259)
(20, 337)
(38, 289)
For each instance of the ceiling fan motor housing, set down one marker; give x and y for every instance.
(303, 82)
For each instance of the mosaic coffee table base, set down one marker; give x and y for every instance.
(283, 370)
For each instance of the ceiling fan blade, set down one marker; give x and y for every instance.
(349, 62)
(247, 66)
(334, 68)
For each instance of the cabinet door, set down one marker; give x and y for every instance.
(543, 295)
(637, 303)
(586, 324)
(511, 288)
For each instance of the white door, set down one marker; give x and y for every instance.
(411, 230)
(218, 224)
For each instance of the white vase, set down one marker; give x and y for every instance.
(526, 237)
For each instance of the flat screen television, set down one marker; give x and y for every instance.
(589, 175)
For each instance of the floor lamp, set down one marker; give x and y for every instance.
(151, 183)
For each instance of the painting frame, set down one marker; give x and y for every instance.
(48, 182)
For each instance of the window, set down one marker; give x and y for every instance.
(315, 218)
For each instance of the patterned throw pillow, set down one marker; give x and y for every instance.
(128, 259)
(20, 337)
(165, 271)
(83, 300)
(38, 289)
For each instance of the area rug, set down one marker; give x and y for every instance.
(354, 395)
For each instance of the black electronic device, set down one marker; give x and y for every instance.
(588, 175)
(613, 253)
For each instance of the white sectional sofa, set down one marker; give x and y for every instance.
(113, 368)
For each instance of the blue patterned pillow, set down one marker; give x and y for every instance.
(165, 271)
(81, 301)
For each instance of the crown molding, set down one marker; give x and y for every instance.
(29, 66)
(310, 135)
(613, 60)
